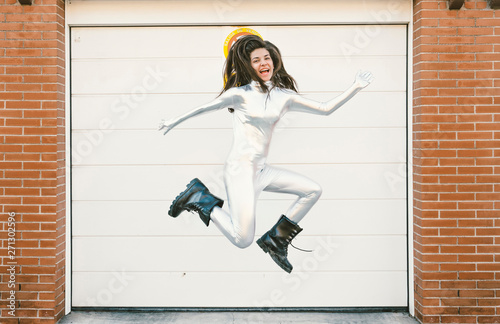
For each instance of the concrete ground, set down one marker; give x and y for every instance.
(87, 317)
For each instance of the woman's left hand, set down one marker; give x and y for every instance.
(364, 78)
(165, 126)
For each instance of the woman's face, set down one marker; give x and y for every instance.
(262, 63)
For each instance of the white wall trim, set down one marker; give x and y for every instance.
(233, 12)
(67, 116)
(409, 173)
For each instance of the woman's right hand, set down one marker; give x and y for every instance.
(363, 78)
(166, 126)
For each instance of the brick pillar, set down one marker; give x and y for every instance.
(32, 155)
(456, 165)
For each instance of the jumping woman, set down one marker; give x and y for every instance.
(258, 92)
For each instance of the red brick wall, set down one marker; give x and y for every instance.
(32, 156)
(456, 165)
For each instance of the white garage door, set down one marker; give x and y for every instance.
(128, 252)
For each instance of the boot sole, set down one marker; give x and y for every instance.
(267, 250)
(262, 246)
(174, 210)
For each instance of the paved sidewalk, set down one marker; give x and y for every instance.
(81, 317)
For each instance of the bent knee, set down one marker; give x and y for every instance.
(319, 191)
(243, 242)
(315, 191)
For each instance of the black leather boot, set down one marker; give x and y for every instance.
(276, 240)
(197, 198)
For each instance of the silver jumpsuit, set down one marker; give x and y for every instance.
(246, 173)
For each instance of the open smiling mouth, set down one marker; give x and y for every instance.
(264, 71)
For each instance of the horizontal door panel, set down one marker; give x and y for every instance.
(339, 181)
(186, 75)
(149, 218)
(249, 289)
(211, 146)
(93, 112)
(212, 253)
(160, 42)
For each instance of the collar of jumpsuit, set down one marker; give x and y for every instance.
(257, 84)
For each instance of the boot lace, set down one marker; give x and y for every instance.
(300, 248)
(193, 208)
(290, 242)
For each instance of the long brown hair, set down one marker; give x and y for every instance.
(238, 70)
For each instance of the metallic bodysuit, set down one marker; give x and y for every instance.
(246, 173)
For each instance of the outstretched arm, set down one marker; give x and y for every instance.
(299, 103)
(223, 101)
